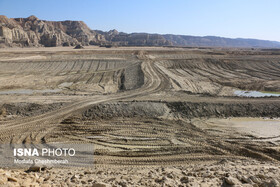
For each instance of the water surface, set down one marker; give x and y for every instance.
(254, 94)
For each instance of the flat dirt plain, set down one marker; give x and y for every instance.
(156, 116)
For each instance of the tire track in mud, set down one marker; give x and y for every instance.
(38, 121)
(220, 73)
(11, 130)
(174, 143)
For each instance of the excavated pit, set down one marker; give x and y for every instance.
(70, 76)
(145, 107)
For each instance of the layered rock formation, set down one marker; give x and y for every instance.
(34, 32)
(31, 31)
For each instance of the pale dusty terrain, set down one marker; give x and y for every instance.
(222, 173)
(156, 116)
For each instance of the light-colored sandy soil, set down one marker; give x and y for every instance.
(170, 111)
(222, 173)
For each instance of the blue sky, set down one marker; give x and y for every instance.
(228, 18)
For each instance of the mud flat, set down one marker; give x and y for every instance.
(252, 129)
(259, 127)
(156, 116)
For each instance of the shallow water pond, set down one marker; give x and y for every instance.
(254, 94)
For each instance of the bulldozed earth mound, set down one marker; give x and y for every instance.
(78, 76)
(218, 76)
(181, 109)
(14, 110)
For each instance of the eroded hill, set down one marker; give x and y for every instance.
(31, 31)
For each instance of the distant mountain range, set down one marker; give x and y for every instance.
(31, 31)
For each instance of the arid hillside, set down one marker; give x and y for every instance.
(34, 32)
(31, 31)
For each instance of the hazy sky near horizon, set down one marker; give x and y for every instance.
(258, 19)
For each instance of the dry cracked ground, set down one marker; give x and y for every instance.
(156, 116)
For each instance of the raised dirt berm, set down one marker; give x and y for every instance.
(180, 109)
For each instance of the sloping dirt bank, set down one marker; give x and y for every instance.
(13, 110)
(183, 109)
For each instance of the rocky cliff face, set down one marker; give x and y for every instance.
(31, 31)
(34, 32)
